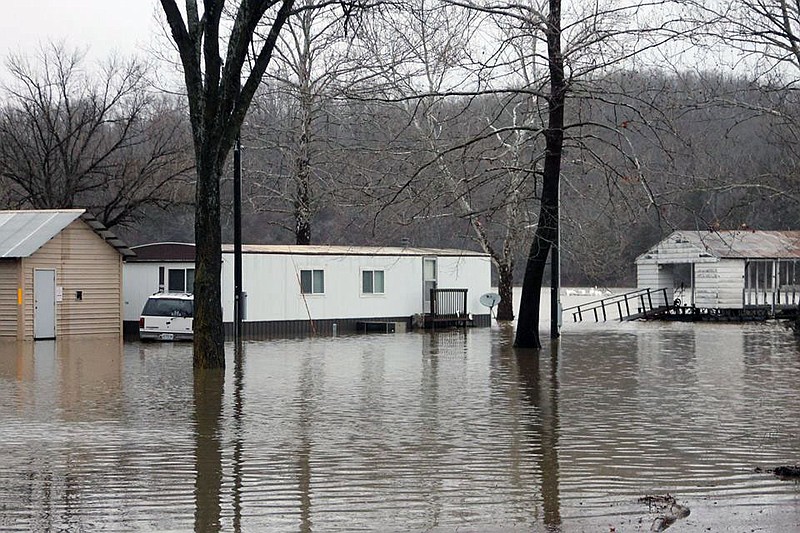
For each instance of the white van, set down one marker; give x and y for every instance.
(167, 316)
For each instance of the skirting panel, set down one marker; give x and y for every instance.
(303, 328)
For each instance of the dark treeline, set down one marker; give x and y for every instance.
(645, 153)
(662, 152)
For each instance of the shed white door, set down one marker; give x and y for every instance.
(44, 304)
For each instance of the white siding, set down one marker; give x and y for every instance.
(651, 276)
(706, 282)
(272, 284)
(719, 285)
(139, 282)
(472, 273)
(731, 283)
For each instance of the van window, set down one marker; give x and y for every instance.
(168, 307)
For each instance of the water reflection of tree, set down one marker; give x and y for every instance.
(208, 392)
(537, 378)
(306, 394)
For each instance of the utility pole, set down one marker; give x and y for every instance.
(555, 273)
(237, 239)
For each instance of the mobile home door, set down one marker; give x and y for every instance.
(44, 304)
(428, 281)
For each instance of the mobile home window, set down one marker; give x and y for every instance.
(372, 281)
(312, 281)
(181, 280)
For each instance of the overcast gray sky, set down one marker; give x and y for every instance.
(127, 26)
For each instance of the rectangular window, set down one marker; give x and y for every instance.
(189, 280)
(312, 281)
(177, 280)
(180, 280)
(372, 281)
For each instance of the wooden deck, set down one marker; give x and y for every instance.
(448, 309)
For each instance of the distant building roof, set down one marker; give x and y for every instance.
(734, 244)
(174, 251)
(23, 232)
(164, 251)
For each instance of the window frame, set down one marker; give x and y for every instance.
(315, 290)
(185, 271)
(373, 292)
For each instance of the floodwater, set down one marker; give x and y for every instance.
(452, 431)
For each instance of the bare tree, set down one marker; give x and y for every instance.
(223, 66)
(218, 101)
(70, 137)
(578, 44)
(464, 160)
(288, 122)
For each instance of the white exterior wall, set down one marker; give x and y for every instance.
(272, 284)
(719, 285)
(472, 273)
(139, 281)
(650, 276)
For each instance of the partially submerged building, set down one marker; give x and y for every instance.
(307, 289)
(60, 275)
(725, 272)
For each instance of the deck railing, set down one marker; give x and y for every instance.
(629, 305)
(448, 303)
(785, 296)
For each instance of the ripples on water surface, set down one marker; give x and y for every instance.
(405, 432)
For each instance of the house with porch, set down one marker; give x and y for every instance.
(728, 273)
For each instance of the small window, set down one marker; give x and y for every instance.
(189, 280)
(181, 280)
(312, 281)
(372, 281)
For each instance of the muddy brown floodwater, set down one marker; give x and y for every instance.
(450, 431)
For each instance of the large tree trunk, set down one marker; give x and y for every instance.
(505, 286)
(218, 99)
(209, 334)
(547, 229)
(302, 213)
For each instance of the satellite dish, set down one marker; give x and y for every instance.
(490, 299)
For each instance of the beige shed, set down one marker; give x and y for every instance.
(60, 275)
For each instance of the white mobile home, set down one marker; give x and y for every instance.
(725, 270)
(60, 275)
(300, 289)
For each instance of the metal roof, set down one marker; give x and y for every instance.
(739, 244)
(287, 249)
(174, 251)
(24, 232)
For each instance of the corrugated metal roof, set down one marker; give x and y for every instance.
(24, 232)
(741, 244)
(172, 251)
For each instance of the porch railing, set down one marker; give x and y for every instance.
(448, 303)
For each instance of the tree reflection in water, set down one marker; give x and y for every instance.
(208, 392)
(537, 376)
